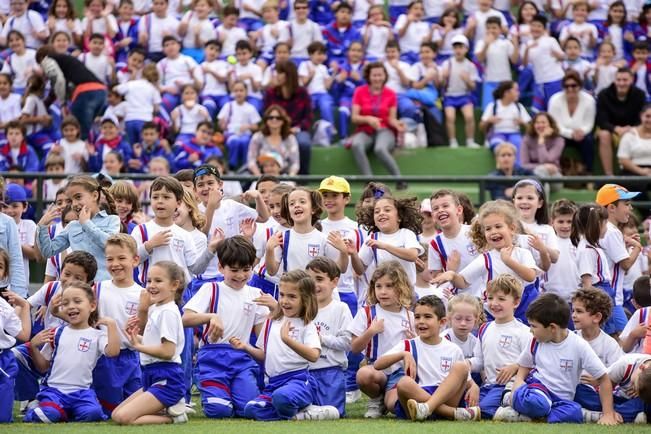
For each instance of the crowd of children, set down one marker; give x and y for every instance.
(273, 305)
(169, 66)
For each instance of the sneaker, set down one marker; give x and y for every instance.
(177, 409)
(591, 416)
(640, 418)
(353, 396)
(417, 410)
(182, 418)
(189, 408)
(473, 145)
(506, 398)
(454, 144)
(507, 414)
(467, 414)
(23, 407)
(375, 408)
(318, 412)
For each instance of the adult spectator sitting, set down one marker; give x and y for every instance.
(542, 146)
(634, 153)
(71, 79)
(374, 111)
(297, 104)
(506, 166)
(574, 111)
(274, 137)
(618, 109)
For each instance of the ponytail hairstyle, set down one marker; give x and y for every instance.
(587, 223)
(176, 274)
(198, 219)
(316, 202)
(90, 293)
(92, 185)
(307, 293)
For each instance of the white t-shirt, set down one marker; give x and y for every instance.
(163, 322)
(98, 65)
(393, 80)
(635, 148)
(416, 33)
(332, 324)
(303, 34)
(604, 76)
(212, 86)
(256, 76)
(444, 41)
(498, 55)
(485, 268)
(639, 317)
(499, 345)
(237, 115)
(101, 25)
(119, 304)
(455, 85)
(229, 38)
(419, 70)
(378, 36)
(10, 108)
(20, 68)
(441, 247)
(546, 234)
(34, 106)
(74, 358)
(27, 237)
(615, 249)
(546, 68)
(68, 150)
(156, 28)
(279, 358)
(181, 248)
(402, 238)
(61, 25)
(559, 365)
(435, 8)
(509, 115)
(178, 69)
(396, 328)
(206, 30)
(321, 74)
(563, 278)
(605, 347)
(255, 4)
(42, 297)
(480, 19)
(235, 307)
(582, 32)
(621, 372)
(141, 97)
(639, 267)
(467, 347)
(433, 362)
(592, 260)
(361, 7)
(300, 249)
(348, 230)
(10, 325)
(267, 41)
(28, 24)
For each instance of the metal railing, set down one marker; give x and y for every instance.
(481, 181)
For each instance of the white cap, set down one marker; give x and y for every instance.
(460, 39)
(426, 205)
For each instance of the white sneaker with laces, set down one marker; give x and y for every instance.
(469, 414)
(177, 409)
(182, 418)
(507, 414)
(591, 416)
(417, 410)
(318, 412)
(353, 396)
(640, 418)
(473, 145)
(375, 408)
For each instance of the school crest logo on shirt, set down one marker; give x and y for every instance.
(177, 245)
(247, 308)
(566, 365)
(131, 308)
(293, 333)
(405, 324)
(83, 345)
(446, 363)
(313, 250)
(472, 250)
(505, 341)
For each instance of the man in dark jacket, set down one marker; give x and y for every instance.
(618, 110)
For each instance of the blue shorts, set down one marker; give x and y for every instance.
(616, 322)
(330, 387)
(402, 414)
(457, 102)
(283, 396)
(56, 406)
(393, 378)
(116, 378)
(165, 381)
(9, 368)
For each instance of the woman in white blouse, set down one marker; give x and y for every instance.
(574, 111)
(634, 153)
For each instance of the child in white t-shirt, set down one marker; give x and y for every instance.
(228, 32)
(97, 61)
(73, 150)
(314, 75)
(21, 63)
(15, 198)
(273, 32)
(249, 72)
(412, 31)
(563, 277)
(476, 24)
(29, 23)
(10, 104)
(153, 27)
(196, 29)
(239, 120)
(176, 70)
(142, 101)
(584, 31)
(303, 32)
(376, 33)
(214, 72)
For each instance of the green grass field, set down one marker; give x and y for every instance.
(354, 424)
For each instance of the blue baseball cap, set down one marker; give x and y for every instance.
(15, 193)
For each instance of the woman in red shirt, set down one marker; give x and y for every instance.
(375, 109)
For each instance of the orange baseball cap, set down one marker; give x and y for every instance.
(610, 193)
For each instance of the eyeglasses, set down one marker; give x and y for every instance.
(274, 118)
(570, 86)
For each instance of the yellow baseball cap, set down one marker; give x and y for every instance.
(610, 193)
(335, 184)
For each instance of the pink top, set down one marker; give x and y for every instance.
(532, 155)
(374, 105)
